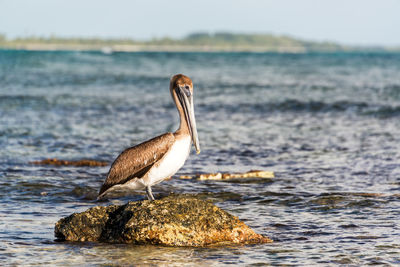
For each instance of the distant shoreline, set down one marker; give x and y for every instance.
(197, 42)
(150, 48)
(194, 49)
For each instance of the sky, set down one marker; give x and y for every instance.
(351, 22)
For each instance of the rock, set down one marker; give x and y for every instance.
(226, 176)
(78, 163)
(172, 221)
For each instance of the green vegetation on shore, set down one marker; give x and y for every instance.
(192, 42)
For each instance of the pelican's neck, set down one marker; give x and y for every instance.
(183, 125)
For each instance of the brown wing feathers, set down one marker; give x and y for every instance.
(135, 162)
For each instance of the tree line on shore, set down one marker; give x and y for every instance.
(220, 40)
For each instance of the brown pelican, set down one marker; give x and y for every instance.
(151, 162)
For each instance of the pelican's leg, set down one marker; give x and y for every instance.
(149, 193)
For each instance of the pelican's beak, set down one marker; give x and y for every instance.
(186, 99)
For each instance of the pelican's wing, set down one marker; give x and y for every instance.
(134, 162)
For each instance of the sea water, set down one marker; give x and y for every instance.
(327, 124)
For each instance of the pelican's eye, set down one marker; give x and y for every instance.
(187, 91)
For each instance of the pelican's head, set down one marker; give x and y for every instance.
(181, 88)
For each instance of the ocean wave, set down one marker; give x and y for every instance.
(8, 101)
(269, 85)
(55, 79)
(294, 105)
(288, 105)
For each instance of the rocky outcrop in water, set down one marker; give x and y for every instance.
(172, 221)
(78, 163)
(227, 176)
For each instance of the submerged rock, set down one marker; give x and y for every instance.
(78, 163)
(227, 176)
(172, 221)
